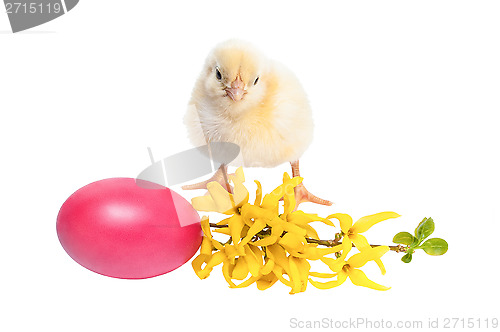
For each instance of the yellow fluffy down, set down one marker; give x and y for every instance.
(272, 124)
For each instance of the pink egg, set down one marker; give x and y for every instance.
(120, 229)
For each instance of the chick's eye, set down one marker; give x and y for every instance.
(218, 75)
(256, 81)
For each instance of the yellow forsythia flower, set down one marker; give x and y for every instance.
(269, 241)
(220, 200)
(352, 233)
(350, 269)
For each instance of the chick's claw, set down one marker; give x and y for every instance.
(303, 195)
(220, 176)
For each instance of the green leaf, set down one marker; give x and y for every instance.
(435, 246)
(424, 229)
(403, 238)
(406, 258)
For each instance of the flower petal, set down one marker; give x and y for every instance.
(254, 263)
(206, 246)
(362, 244)
(292, 242)
(278, 254)
(224, 230)
(311, 232)
(359, 278)
(346, 247)
(250, 211)
(268, 266)
(223, 200)
(256, 227)
(197, 263)
(322, 275)
(345, 221)
(203, 203)
(360, 241)
(358, 260)
(231, 252)
(302, 218)
(266, 281)
(224, 221)
(380, 265)
(299, 218)
(258, 194)
(266, 241)
(210, 261)
(335, 265)
(341, 278)
(271, 200)
(364, 223)
(299, 272)
(227, 271)
(205, 226)
(294, 275)
(278, 272)
(247, 282)
(240, 193)
(289, 196)
(236, 224)
(216, 259)
(239, 175)
(304, 268)
(287, 226)
(240, 270)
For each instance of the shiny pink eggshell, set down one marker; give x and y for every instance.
(120, 229)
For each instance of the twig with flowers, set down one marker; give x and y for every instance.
(270, 241)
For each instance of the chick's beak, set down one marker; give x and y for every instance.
(237, 89)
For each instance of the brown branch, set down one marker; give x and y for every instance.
(333, 243)
(217, 225)
(326, 243)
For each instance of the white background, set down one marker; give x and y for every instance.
(406, 101)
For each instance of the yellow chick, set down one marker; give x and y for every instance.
(244, 98)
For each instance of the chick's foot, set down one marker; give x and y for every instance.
(220, 176)
(303, 195)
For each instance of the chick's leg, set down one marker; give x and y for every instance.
(220, 176)
(301, 193)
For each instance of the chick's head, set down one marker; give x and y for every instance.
(235, 76)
